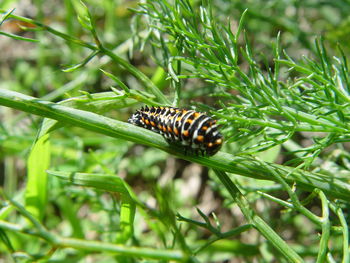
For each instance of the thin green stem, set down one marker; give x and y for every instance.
(138, 74)
(345, 230)
(228, 234)
(133, 70)
(256, 220)
(245, 165)
(61, 242)
(120, 249)
(326, 229)
(41, 231)
(295, 200)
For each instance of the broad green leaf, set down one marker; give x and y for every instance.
(99, 181)
(36, 189)
(112, 184)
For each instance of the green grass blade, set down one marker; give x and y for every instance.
(127, 216)
(36, 188)
(99, 181)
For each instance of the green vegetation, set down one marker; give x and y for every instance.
(80, 184)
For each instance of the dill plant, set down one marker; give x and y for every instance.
(264, 104)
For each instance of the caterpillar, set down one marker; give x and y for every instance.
(195, 131)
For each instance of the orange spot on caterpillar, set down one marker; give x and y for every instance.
(200, 138)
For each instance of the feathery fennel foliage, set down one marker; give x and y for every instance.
(284, 118)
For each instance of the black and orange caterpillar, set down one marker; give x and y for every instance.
(196, 131)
